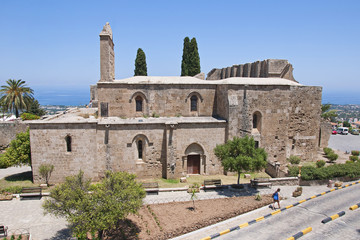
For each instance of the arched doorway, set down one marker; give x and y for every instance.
(194, 154)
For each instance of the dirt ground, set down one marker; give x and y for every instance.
(167, 220)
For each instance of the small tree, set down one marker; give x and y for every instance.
(294, 159)
(193, 190)
(33, 107)
(240, 155)
(140, 63)
(328, 114)
(185, 57)
(18, 153)
(194, 58)
(110, 201)
(45, 171)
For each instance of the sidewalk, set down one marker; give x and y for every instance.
(286, 195)
(28, 214)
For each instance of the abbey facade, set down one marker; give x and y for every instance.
(169, 126)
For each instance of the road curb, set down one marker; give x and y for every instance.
(218, 234)
(354, 206)
(333, 217)
(300, 234)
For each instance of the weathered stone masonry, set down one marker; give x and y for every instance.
(169, 126)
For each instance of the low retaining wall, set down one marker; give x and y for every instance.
(8, 131)
(325, 181)
(273, 169)
(289, 181)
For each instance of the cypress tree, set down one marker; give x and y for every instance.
(194, 59)
(140, 63)
(185, 57)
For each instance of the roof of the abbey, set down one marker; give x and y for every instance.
(193, 80)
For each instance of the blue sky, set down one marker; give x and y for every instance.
(54, 45)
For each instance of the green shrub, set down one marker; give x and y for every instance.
(3, 163)
(29, 116)
(320, 163)
(13, 189)
(45, 171)
(355, 153)
(348, 162)
(293, 171)
(327, 151)
(350, 169)
(294, 159)
(332, 157)
(354, 158)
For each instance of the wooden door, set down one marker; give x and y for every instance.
(193, 164)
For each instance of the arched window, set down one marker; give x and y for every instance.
(194, 103)
(257, 121)
(139, 104)
(140, 149)
(68, 143)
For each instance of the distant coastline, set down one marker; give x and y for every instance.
(81, 95)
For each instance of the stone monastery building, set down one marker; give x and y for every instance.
(169, 126)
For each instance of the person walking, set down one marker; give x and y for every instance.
(276, 198)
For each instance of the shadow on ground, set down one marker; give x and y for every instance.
(20, 177)
(126, 229)
(243, 190)
(62, 234)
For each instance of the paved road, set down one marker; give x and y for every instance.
(344, 142)
(309, 214)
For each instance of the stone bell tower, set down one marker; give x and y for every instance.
(107, 56)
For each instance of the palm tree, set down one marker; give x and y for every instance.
(16, 95)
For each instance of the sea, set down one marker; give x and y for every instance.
(63, 96)
(81, 96)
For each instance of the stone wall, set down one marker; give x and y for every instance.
(273, 169)
(8, 131)
(100, 147)
(270, 68)
(289, 118)
(48, 145)
(163, 100)
(325, 133)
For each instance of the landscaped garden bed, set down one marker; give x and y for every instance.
(167, 220)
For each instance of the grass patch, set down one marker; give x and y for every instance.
(199, 179)
(311, 164)
(17, 180)
(171, 180)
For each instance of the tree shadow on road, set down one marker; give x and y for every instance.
(62, 234)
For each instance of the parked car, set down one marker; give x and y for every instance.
(334, 132)
(355, 132)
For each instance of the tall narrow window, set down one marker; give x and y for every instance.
(139, 104)
(68, 143)
(140, 149)
(194, 102)
(255, 121)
